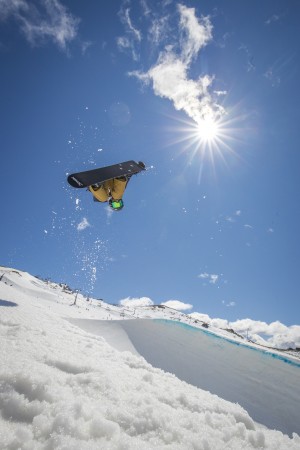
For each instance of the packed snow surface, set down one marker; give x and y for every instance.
(256, 380)
(67, 386)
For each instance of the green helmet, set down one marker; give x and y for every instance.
(116, 205)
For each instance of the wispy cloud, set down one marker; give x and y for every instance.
(169, 76)
(166, 2)
(158, 30)
(145, 7)
(273, 18)
(230, 304)
(176, 304)
(280, 69)
(195, 33)
(83, 224)
(222, 42)
(130, 42)
(250, 58)
(272, 76)
(41, 20)
(211, 277)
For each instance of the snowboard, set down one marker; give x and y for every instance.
(89, 177)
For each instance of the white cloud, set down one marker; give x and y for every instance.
(274, 334)
(136, 302)
(42, 20)
(133, 35)
(211, 277)
(218, 323)
(259, 327)
(169, 75)
(83, 224)
(200, 316)
(289, 339)
(195, 33)
(273, 18)
(281, 336)
(176, 304)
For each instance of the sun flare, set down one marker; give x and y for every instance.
(207, 130)
(211, 139)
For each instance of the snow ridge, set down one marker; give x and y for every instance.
(64, 388)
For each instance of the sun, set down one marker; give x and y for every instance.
(210, 139)
(207, 130)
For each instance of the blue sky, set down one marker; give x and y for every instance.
(214, 222)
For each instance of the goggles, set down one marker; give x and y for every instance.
(117, 204)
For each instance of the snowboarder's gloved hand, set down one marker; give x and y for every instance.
(96, 186)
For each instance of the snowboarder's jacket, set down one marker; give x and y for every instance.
(109, 189)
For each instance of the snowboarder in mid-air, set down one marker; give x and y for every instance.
(110, 191)
(107, 184)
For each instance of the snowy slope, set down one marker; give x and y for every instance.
(267, 387)
(62, 387)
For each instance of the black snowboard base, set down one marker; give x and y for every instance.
(94, 176)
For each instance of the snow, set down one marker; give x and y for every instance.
(234, 372)
(69, 382)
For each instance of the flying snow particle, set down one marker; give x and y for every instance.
(83, 224)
